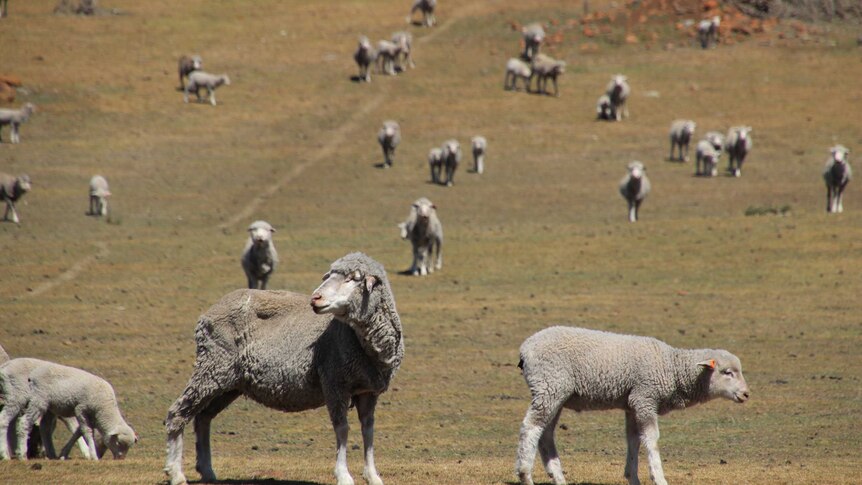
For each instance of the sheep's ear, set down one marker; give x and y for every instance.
(434, 206)
(370, 281)
(707, 364)
(271, 229)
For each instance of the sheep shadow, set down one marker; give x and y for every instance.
(260, 481)
(512, 482)
(356, 79)
(381, 165)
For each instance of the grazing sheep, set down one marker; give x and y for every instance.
(424, 231)
(364, 57)
(435, 162)
(451, 159)
(634, 187)
(64, 392)
(12, 189)
(618, 91)
(534, 35)
(387, 52)
(186, 66)
(681, 132)
(604, 111)
(259, 257)
(707, 155)
(480, 146)
(404, 58)
(389, 137)
(583, 370)
(517, 69)
(837, 175)
(200, 79)
(707, 32)
(737, 145)
(268, 346)
(14, 118)
(427, 8)
(99, 194)
(545, 67)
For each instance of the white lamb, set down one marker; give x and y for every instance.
(706, 156)
(517, 69)
(634, 187)
(99, 193)
(11, 189)
(364, 57)
(707, 31)
(534, 35)
(618, 91)
(387, 53)
(837, 175)
(259, 257)
(389, 137)
(603, 108)
(200, 79)
(424, 230)
(582, 370)
(404, 58)
(737, 144)
(681, 132)
(451, 159)
(427, 8)
(435, 163)
(480, 146)
(14, 118)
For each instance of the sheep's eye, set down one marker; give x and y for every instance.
(727, 372)
(326, 276)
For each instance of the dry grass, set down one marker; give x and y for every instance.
(541, 238)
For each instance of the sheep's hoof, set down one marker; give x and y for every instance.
(345, 480)
(525, 478)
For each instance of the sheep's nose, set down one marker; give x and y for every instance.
(316, 297)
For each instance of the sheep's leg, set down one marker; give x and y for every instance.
(87, 433)
(46, 430)
(539, 416)
(23, 427)
(683, 157)
(647, 424)
(549, 454)
(9, 413)
(338, 414)
(202, 433)
(556, 90)
(670, 157)
(211, 92)
(633, 448)
(439, 263)
(633, 213)
(365, 404)
(839, 199)
(414, 270)
(828, 199)
(15, 136)
(77, 438)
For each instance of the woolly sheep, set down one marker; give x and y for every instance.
(603, 108)
(424, 230)
(706, 155)
(269, 346)
(435, 163)
(64, 392)
(14, 118)
(200, 79)
(517, 69)
(836, 174)
(99, 194)
(534, 35)
(681, 132)
(427, 8)
(389, 137)
(618, 91)
(259, 257)
(404, 57)
(581, 369)
(387, 53)
(364, 57)
(707, 31)
(545, 67)
(634, 187)
(737, 145)
(451, 159)
(186, 66)
(11, 189)
(480, 146)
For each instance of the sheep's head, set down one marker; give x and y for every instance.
(619, 80)
(839, 153)
(347, 285)
(636, 169)
(225, 80)
(715, 139)
(389, 128)
(120, 440)
(29, 108)
(260, 233)
(364, 43)
(23, 183)
(435, 155)
(197, 63)
(689, 127)
(451, 147)
(725, 376)
(424, 208)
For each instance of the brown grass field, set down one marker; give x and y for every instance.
(541, 238)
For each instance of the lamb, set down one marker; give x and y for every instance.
(480, 146)
(707, 32)
(64, 392)
(618, 91)
(14, 118)
(259, 257)
(544, 68)
(99, 194)
(389, 137)
(603, 108)
(707, 155)
(451, 159)
(364, 57)
(11, 189)
(581, 369)
(534, 35)
(424, 231)
(435, 162)
(681, 132)
(387, 52)
(836, 174)
(737, 144)
(427, 8)
(634, 187)
(268, 346)
(404, 58)
(186, 66)
(517, 69)
(200, 79)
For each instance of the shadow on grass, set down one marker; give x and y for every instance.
(512, 482)
(260, 481)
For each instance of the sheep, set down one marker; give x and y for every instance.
(14, 118)
(64, 392)
(707, 155)
(200, 79)
(451, 159)
(545, 67)
(634, 187)
(517, 69)
(707, 31)
(268, 346)
(11, 189)
(836, 174)
(186, 66)
(99, 194)
(427, 8)
(681, 132)
(603, 108)
(404, 58)
(424, 230)
(387, 52)
(716, 139)
(737, 145)
(389, 137)
(480, 146)
(364, 56)
(259, 257)
(435, 162)
(582, 370)
(618, 91)
(534, 35)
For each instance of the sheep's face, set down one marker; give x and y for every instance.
(451, 147)
(839, 154)
(716, 140)
(197, 63)
(424, 208)
(726, 379)
(689, 127)
(120, 440)
(23, 183)
(435, 156)
(636, 169)
(389, 129)
(336, 293)
(260, 233)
